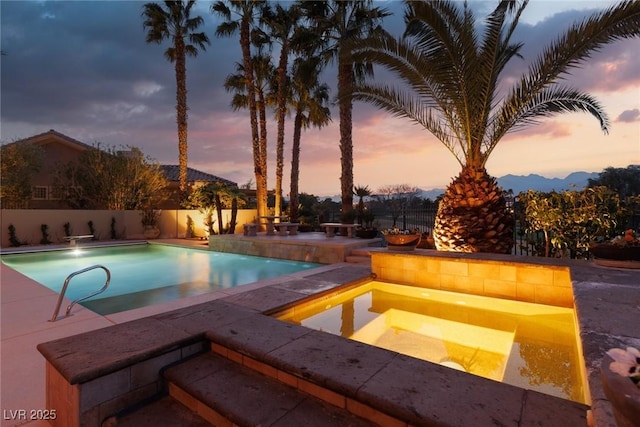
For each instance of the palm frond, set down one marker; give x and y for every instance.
(527, 110)
(574, 47)
(405, 105)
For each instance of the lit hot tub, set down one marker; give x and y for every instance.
(532, 346)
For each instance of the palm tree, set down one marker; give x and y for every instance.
(281, 25)
(247, 11)
(453, 76)
(361, 192)
(339, 23)
(263, 72)
(309, 99)
(174, 22)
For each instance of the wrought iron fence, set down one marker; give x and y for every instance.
(423, 218)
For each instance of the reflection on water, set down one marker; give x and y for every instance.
(528, 345)
(143, 275)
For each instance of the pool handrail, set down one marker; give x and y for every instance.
(74, 302)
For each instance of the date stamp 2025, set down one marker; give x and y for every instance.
(28, 414)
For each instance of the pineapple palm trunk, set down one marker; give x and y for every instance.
(473, 215)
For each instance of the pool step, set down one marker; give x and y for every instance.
(359, 256)
(226, 393)
(164, 412)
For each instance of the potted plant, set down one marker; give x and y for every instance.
(367, 230)
(401, 240)
(149, 219)
(620, 376)
(623, 250)
(427, 241)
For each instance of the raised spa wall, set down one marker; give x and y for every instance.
(322, 251)
(541, 284)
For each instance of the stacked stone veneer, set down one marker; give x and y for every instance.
(320, 252)
(84, 390)
(499, 278)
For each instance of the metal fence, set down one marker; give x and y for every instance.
(423, 218)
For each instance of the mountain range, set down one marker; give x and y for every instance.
(523, 183)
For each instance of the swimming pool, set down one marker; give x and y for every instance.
(146, 274)
(532, 346)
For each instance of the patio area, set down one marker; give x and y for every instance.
(606, 301)
(26, 307)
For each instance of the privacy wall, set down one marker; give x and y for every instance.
(127, 225)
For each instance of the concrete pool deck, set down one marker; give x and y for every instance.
(26, 307)
(607, 301)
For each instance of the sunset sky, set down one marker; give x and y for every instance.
(83, 68)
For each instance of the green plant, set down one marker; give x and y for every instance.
(113, 228)
(191, 228)
(367, 219)
(67, 229)
(150, 217)
(209, 222)
(361, 192)
(13, 238)
(348, 217)
(572, 220)
(44, 229)
(92, 230)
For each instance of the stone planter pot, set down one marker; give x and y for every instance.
(616, 256)
(366, 233)
(151, 232)
(402, 242)
(623, 394)
(427, 242)
(618, 253)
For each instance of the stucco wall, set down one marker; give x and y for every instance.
(173, 223)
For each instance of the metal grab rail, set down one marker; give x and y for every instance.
(66, 283)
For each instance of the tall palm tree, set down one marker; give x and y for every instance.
(174, 22)
(309, 99)
(247, 12)
(453, 78)
(263, 74)
(339, 23)
(281, 25)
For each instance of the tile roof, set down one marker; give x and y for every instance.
(170, 171)
(193, 175)
(42, 137)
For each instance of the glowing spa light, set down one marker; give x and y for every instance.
(76, 252)
(451, 364)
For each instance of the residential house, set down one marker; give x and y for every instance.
(60, 149)
(195, 179)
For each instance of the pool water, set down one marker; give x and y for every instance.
(528, 345)
(148, 274)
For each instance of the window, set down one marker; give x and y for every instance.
(39, 193)
(56, 193)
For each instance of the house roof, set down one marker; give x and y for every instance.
(193, 175)
(170, 171)
(53, 135)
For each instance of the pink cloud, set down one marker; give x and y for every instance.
(629, 116)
